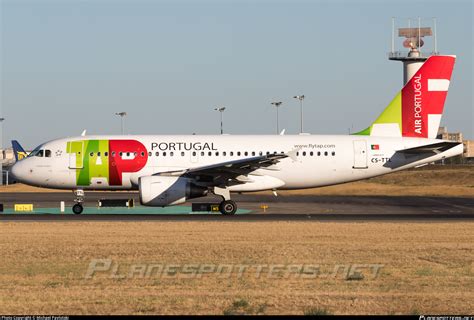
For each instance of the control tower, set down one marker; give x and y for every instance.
(414, 58)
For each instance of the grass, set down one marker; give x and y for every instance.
(314, 311)
(426, 266)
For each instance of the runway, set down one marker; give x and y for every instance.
(282, 208)
(247, 217)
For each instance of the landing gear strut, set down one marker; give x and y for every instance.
(227, 206)
(78, 208)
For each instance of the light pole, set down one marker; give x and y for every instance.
(122, 115)
(300, 98)
(277, 105)
(221, 110)
(1, 150)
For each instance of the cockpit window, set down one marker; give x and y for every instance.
(36, 151)
(40, 152)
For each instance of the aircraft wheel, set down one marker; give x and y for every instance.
(228, 207)
(77, 208)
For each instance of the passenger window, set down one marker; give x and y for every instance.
(246, 153)
(98, 154)
(128, 154)
(325, 153)
(297, 153)
(149, 153)
(253, 153)
(311, 153)
(260, 153)
(194, 153)
(182, 153)
(164, 154)
(209, 153)
(224, 153)
(106, 154)
(202, 153)
(232, 153)
(268, 153)
(171, 153)
(333, 153)
(143, 154)
(238, 153)
(113, 153)
(319, 153)
(217, 153)
(47, 153)
(157, 154)
(304, 153)
(91, 154)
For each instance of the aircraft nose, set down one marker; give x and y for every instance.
(18, 171)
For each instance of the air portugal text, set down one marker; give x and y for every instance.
(183, 146)
(417, 104)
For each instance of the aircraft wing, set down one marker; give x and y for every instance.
(430, 148)
(226, 173)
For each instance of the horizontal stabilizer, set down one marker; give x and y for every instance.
(430, 148)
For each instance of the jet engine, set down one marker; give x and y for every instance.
(161, 191)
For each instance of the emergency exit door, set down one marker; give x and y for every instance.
(360, 154)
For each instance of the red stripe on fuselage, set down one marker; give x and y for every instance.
(118, 165)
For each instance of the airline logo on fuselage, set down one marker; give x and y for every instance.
(105, 159)
(183, 146)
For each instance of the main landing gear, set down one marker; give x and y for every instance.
(78, 208)
(227, 206)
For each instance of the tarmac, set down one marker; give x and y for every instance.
(251, 208)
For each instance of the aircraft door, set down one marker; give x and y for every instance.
(76, 155)
(360, 154)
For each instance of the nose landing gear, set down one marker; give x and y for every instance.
(78, 208)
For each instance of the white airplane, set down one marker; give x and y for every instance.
(169, 170)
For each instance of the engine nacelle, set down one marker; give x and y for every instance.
(161, 191)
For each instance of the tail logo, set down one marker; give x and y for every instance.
(417, 104)
(417, 109)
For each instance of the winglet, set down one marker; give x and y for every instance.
(282, 133)
(83, 133)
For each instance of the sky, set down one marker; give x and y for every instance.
(71, 65)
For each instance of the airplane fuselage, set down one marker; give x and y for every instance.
(117, 162)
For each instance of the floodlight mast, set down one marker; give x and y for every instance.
(277, 105)
(300, 98)
(221, 110)
(122, 115)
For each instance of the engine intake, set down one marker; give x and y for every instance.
(161, 191)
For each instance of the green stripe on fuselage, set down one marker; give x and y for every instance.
(93, 165)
